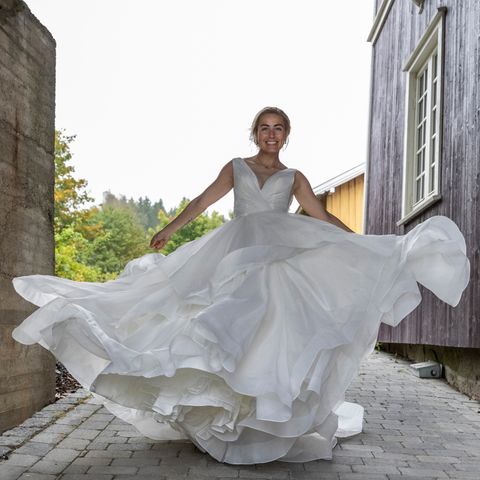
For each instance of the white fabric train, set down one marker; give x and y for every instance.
(245, 340)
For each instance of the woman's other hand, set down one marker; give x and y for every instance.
(160, 239)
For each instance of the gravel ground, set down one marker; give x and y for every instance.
(65, 383)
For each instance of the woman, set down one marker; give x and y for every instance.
(269, 131)
(246, 339)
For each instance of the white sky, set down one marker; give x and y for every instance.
(161, 94)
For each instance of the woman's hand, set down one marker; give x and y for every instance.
(160, 239)
(220, 187)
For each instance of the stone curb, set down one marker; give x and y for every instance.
(14, 438)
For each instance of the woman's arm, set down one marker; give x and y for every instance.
(309, 202)
(216, 190)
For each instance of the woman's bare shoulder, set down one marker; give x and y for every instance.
(227, 170)
(299, 174)
(300, 181)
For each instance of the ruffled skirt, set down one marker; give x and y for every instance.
(244, 340)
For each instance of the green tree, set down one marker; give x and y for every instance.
(193, 230)
(71, 222)
(94, 243)
(146, 211)
(70, 248)
(71, 197)
(121, 239)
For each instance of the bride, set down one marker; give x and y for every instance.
(246, 339)
(269, 131)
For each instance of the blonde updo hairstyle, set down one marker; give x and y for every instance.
(258, 116)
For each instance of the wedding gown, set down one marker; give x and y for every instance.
(246, 339)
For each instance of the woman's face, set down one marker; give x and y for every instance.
(271, 133)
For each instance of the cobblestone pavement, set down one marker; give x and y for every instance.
(414, 429)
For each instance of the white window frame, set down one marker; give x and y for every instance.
(420, 61)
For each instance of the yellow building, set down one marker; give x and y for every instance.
(343, 196)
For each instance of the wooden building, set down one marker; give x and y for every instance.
(343, 196)
(424, 160)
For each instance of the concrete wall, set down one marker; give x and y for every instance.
(27, 114)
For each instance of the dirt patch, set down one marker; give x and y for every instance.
(65, 383)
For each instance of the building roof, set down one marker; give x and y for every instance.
(340, 179)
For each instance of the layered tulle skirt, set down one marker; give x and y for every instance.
(244, 340)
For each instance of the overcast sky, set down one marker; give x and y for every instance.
(161, 94)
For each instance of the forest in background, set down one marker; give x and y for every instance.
(94, 242)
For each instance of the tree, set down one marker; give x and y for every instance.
(121, 239)
(70, 193)
(70, 248)
(91, 243)
(193, 230)
(146, 211)
(71, 221)
(94, 243)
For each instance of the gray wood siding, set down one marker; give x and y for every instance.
(433, 322)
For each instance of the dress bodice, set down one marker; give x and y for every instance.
(275, 194)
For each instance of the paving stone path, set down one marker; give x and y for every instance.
(414, 429)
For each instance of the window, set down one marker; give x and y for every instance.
(421, 172)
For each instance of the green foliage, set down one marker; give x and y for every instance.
(195, 229)
(146, 211)
(121, 239)
(70, 235)
(94, 243)
(70, 194)
(70, 247)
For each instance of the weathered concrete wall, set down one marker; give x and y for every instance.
(27, 114)
(462, 365)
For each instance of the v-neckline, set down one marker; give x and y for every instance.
(255, 175)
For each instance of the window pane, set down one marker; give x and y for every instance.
(432, 179)
(419, 189)
(419, 136)
(420, 162)
(423, 83)
(433, 157)
(420, 111)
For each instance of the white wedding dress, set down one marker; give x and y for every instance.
(246, 339)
